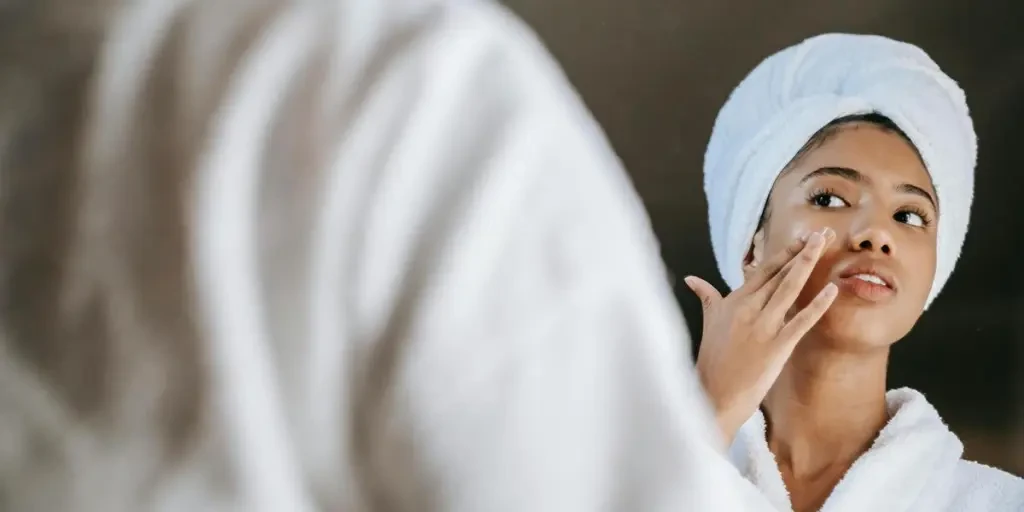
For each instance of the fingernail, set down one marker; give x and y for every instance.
(815, 240)
(689, 281)
(828, 233)
(830, 290)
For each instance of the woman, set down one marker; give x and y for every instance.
(839, 178)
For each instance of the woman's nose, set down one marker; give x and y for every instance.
(873, 235)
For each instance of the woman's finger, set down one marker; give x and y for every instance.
(765, 272)
(704, 290)
(763, 294)
(795, 278)
(803, 321)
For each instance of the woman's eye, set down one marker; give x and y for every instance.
(910, 218)
(828, 201)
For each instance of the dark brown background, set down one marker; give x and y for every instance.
(655, 72)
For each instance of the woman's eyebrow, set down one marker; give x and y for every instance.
(907, 188)
(843, 172)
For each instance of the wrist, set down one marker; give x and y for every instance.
(729, 416)
(729, 413)
(729, 423)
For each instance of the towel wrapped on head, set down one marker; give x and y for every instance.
(794, 93)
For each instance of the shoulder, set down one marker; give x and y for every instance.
(981, 487)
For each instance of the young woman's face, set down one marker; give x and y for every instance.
(871, 188)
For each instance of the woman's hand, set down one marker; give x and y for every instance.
(747, 338)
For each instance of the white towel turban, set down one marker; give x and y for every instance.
(797, 91)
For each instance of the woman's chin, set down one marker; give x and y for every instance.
(851, 324)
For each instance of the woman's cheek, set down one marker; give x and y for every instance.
(797, 231)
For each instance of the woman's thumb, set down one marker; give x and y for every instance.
(704, 290)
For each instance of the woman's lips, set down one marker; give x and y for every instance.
(867, 287)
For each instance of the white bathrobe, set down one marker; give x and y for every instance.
(914, 465)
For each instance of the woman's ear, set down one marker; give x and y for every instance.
(756, 253)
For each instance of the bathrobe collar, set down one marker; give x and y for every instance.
(910, 465)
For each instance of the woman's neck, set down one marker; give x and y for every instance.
(826, 408)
